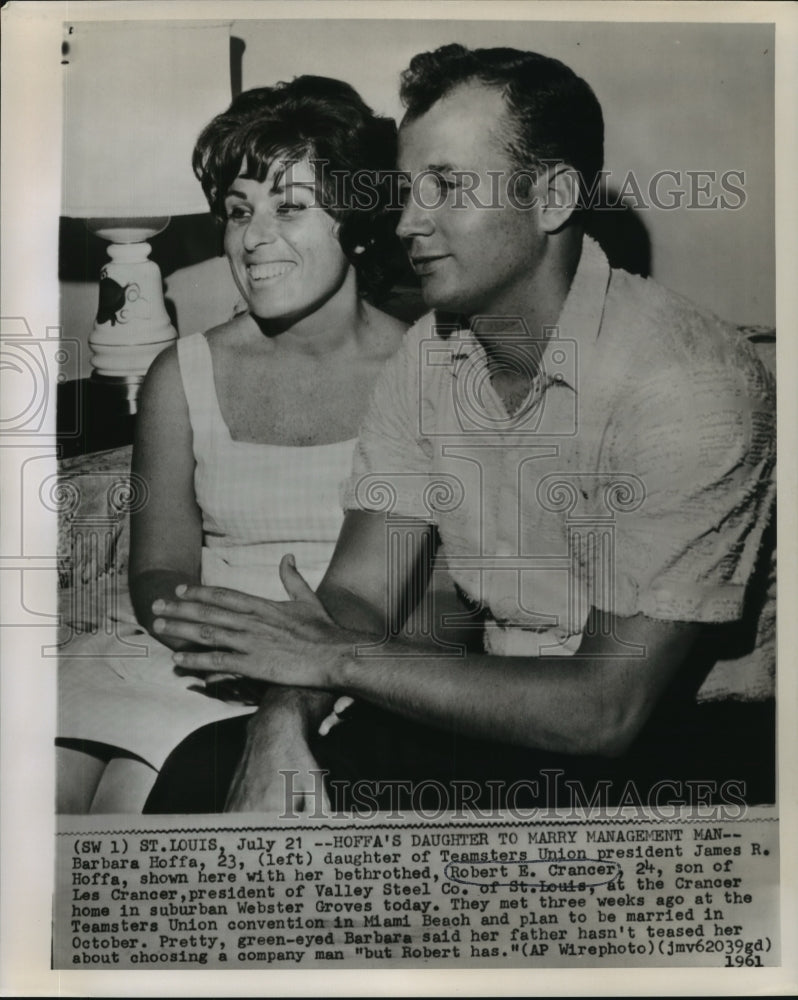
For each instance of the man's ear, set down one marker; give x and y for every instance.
(561, 197)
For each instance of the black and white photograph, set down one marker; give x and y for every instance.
(391, 497)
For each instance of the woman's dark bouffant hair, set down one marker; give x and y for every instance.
(326, 121)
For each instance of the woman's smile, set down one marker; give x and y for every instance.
(269, 271)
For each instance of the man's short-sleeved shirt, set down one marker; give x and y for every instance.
(636, 478)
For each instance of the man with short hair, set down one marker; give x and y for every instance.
(593, 453)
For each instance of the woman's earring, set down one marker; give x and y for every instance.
(359, 249)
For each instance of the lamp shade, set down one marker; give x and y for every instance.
(136, 96)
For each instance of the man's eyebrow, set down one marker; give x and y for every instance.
(232, 193)
(432, 168)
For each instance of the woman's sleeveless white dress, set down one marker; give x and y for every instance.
(258, 502)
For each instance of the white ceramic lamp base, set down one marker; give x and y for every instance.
(132, 325)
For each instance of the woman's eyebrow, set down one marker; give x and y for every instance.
(280, 186)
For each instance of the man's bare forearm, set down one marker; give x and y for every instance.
(544, 704)
(595, 702)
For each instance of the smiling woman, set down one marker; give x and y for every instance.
(284, 252)
(347, 164)
(246, 431)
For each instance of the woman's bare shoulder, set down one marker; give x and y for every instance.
(233, 340)
(230, 332)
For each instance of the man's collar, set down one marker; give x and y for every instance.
(580, 317)
(582, 312)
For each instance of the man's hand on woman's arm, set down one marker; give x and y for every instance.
(595, 702)
(303, 641)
